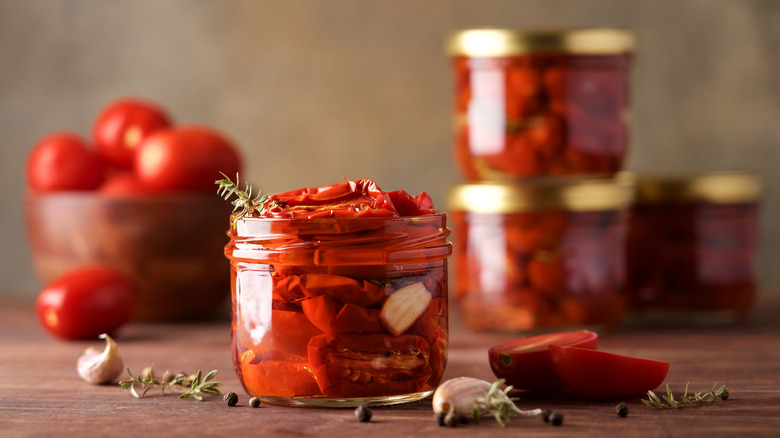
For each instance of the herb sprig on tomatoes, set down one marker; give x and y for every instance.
(244, 200)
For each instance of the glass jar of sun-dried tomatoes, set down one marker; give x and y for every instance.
(540, 253)
(692, 247)
(339, 297)
(530, 103)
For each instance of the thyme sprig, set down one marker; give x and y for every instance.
(244, 200)
(497, 402)
(686, 400)
(195, 384)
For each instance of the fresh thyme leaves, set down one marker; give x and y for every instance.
(205, 386)
(244, 200)
(496, 402)
(686, 400)
(195, 384)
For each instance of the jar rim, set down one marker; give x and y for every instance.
(322, 225)
(495, 42)
(546, 193)
(342, 241)
(722, 187)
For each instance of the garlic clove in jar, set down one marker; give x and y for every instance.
(100, 367)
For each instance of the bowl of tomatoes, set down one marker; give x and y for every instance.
(138, 196)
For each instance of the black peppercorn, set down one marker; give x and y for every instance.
(363, 413)
(622, 410)
(556, 418)
(451, 420)
(254, 402)
(231, 398)
(546, 415)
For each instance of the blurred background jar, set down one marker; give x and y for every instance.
(540, 253)
(692, 246)
(532, 103)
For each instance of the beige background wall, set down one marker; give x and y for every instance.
(316, 90)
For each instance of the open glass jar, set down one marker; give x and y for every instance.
(339, 311)
(692, 247)
(531, 103)
(540, 253)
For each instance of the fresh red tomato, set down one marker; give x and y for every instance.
(85, 302)
(598, 374)
(123, 125)
(525, 363)
(123, 184)
(63, 161)
(188, 158)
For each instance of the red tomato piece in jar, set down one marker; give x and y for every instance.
(546, 273)
(295, 288)
(343, 289)
(287, 337)
(63, 161)
(523, 85)
(362, 365)
(125, 124)
(332, 317)
(276, 378)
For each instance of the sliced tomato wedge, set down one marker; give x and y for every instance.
(525, 363)
(598, 374)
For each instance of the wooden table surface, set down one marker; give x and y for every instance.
(41, 394)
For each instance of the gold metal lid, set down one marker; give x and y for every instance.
(542, 194)
(492, 42)
(713, 187)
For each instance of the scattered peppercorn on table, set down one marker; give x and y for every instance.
(41, 393)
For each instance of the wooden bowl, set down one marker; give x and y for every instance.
(171, 246)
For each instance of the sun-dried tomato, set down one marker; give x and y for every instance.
(275, 377)
(370, 364)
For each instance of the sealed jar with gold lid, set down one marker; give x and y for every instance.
(540, 253)
(540, 102)
(692, 246)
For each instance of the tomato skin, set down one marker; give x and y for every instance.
(123, 125)
(525, 363)
(598, 374)
(123, 184)
(185, 158)
(63, 161)
(85, 302)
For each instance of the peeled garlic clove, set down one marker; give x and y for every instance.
(100, 367)
(468, 397)
(404, 307)
(458, 395)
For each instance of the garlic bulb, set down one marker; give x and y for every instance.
(100, 367)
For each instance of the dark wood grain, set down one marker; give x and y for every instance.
(41, 394)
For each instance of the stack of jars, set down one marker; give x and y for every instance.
(540, 225)
(541, 132)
